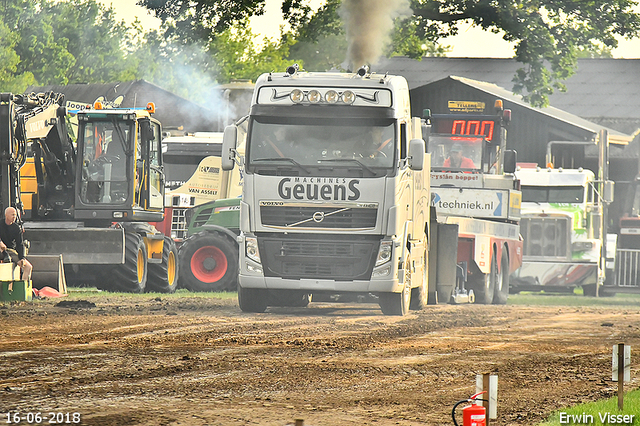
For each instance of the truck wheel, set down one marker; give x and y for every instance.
(398, 303)
(252, 299)
(420, 295)
(501, 290)
(131, 276)
(483, 285)
(163, 277)
(209, 262)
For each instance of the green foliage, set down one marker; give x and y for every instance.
(205, 42)
(235, 55)
(321, 40)
(549, 35)
(10, 79)
(192, 70)
(75, 41)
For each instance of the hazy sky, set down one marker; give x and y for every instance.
(471, 42)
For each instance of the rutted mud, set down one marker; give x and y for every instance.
(200, 361)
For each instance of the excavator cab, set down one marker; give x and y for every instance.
(119, 174)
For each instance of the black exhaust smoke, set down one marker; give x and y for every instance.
(368, 24)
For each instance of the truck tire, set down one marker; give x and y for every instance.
(209, 262)
(252, 299)
(420, 295)
(163, 277)
(398, 303)
(130, 277)
(501, 290)
(484, 284)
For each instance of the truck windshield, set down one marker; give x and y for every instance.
(455, 152)
(553, 194)
(309, 146)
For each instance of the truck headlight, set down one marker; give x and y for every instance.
(582, 246)
(251, 249)
(384, 253)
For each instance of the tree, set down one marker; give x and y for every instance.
(194, 69)
(10, 80)
(548, 34)
(74, 41)
(321, 41)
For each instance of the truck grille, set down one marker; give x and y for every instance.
(627, 267)
(341, 258)
(546, 237)
(319, 217)
(178, 223)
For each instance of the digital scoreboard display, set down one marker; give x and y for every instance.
(475, 126)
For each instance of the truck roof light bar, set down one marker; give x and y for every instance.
(314, 96)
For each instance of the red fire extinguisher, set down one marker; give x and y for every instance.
(472, 415)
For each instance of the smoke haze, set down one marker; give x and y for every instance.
(368, 24)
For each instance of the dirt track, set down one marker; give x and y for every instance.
(199, 361)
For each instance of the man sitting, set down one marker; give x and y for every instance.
(11, 242)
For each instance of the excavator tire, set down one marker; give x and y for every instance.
(130, 277)
(209, 262)
(163, 277)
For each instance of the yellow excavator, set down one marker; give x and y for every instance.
(85, 205)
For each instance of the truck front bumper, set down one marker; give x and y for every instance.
(549, 274)
(324, 285)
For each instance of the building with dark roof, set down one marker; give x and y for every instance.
(174, 112)
(601, 89)
(603, 94)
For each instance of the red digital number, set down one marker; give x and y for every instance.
(474, 127)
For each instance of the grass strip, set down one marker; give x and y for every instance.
(604, 412)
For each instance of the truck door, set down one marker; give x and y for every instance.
(150, 185)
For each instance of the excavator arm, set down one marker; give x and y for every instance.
(39, 118)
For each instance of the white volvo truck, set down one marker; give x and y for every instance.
(336, 192)
(561, 226)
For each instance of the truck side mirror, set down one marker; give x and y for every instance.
(229, 141)
(510, 159)
(416, 154)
